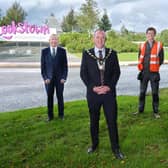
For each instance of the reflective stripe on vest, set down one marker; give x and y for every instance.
(154, 58)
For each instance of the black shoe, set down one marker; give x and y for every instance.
(91, 150)
(118, 154)
(49, 119)
(61, 117)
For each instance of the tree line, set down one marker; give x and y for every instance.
(85, 21)
(14, 13)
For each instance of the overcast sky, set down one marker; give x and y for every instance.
(136, 15)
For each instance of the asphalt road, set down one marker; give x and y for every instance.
(23, 88)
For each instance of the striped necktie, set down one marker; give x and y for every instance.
(101, 67)
(53, 52)
(100, 54)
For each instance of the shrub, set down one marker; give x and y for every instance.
(77, 42)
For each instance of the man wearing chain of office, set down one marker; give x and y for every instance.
(100, 72)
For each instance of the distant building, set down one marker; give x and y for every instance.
(52, 22)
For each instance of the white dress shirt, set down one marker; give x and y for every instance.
(96, 50)
(51, 50)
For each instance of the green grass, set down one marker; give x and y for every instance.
(28, 141)
(127, 56)
(132, 56)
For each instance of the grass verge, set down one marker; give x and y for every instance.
(28, 141)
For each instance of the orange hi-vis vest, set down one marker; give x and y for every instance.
(154, 57)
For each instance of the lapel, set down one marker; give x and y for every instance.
(109, 54)
(48, 57)
(49, 54)
(106, 51)
(57, 54)
(94, 60)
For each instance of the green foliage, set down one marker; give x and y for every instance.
(128, 56)
(14, 13)
(120, 44)
(69, 23)
(164, 37)
(124, 31)
(132, 36)
(0, 12)
(2, 19)
(26, 140)
(76, 42)
(88, 16)
(104, 23)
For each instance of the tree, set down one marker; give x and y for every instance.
(2, 19)
(0, 16)
(88, 16)
(164, 37)
(15, 13)
(124, 30)
(69, 22)
(104, 23)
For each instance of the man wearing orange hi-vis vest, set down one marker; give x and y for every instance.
(150, 58)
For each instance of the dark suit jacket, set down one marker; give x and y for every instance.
(90, 73)
(54, 67)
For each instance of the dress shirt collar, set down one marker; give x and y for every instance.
(96, 50)
(51, 49)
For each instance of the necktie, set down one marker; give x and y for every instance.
(100, 54)
(53, 52)
(101, 67)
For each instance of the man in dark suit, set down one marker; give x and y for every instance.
(54, 71)
(100, 72)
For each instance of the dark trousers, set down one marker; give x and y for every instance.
(109, 104)
(154, 81)
(54, 84)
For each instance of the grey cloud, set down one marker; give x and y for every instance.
(135, 14)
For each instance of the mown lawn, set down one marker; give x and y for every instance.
(128, 56)
(28, 141)
(132, 56)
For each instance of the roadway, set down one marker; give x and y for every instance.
(22, 88)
